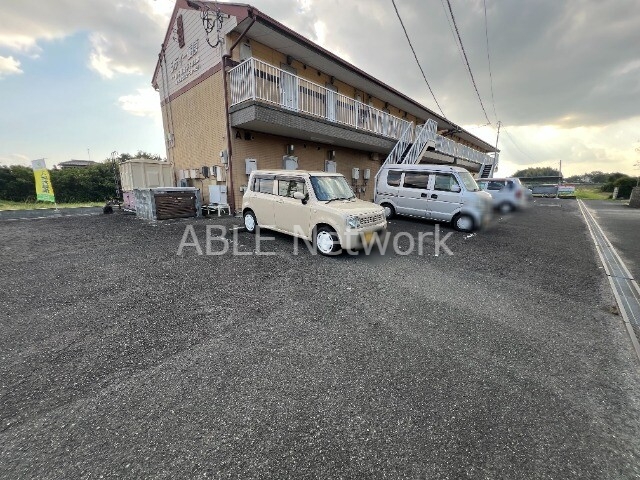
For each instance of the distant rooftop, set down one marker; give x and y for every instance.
(76, 163)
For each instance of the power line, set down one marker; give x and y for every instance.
(486, 34)
(518, 146)
(453, 34)
(416, 57)
(453, 18)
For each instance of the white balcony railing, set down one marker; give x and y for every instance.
(256, 80)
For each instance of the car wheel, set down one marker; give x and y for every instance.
(505, 207)
(389, 211)
(326, 241)
(463, 223)
(250, 222)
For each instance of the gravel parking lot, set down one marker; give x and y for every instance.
(121, 359)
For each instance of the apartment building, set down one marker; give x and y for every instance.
(241, 91)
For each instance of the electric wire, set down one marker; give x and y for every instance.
(517, 145)
(486, 34)
(416, 57)
(453, 34)
(466, 59)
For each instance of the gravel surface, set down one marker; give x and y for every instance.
(121, 359)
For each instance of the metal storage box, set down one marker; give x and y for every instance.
(143, 173)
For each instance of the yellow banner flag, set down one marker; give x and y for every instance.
(44, 189)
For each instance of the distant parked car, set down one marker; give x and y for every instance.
(507, 194)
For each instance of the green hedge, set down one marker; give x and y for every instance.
(85, 184)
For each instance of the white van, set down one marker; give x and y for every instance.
(436, 192)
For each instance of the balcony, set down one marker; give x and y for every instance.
(268, 99)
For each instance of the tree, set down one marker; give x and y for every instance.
(139, 154)
(537, 172)
(625, 185)
(17, 183)
(87, 184)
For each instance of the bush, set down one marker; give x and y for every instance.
(625, 185)
(17, 184)
(87, 184)
(613, 180)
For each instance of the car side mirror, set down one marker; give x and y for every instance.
(299, 195)
(455, 188)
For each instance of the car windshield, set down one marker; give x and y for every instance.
(469, 183)
(331, 187)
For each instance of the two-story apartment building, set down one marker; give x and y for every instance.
(239, 91)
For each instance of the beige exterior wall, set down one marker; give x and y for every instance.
(268, 150)
(200, 129)
(198, 120)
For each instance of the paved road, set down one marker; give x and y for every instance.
(621, 224)
(121, 359)
(48, 212)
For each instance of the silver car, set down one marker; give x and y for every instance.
(436, 192)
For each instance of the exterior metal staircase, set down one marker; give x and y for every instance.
(488, 169)
(425, 137)
(414, 142)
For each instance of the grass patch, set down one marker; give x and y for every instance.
(9, 205)
(591, 193)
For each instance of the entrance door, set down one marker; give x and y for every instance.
(331, 102)
(291, 215)
(443, 202)
(288, 87)
(412, 195)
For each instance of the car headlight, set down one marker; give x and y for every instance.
(353, 222)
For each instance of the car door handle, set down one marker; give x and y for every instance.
(433, 195)
(424, 195)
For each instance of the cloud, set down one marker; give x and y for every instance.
(9, 66)
(565, 74)
(15, 159)
(144, 103)
(125, 37)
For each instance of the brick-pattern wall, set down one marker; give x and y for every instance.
(268, 150)
(199, 127)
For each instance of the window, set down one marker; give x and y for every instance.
(393, 178)
(262, 185)
(328, 187)
(444, 182)
(469, 182)
(245, 51)
(494, 185)
(330, 166)
(416, 180)
(288, 186)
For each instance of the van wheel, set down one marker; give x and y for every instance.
(326, 241)
(463, 223)
(250, 222)
(389, 211)
(505, 207)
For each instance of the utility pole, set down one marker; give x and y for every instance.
(559, 180)
(495, 166)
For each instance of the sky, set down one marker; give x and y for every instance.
(75, 75)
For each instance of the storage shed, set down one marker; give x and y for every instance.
(142, 173)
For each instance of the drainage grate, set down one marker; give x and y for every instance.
(624, 286)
